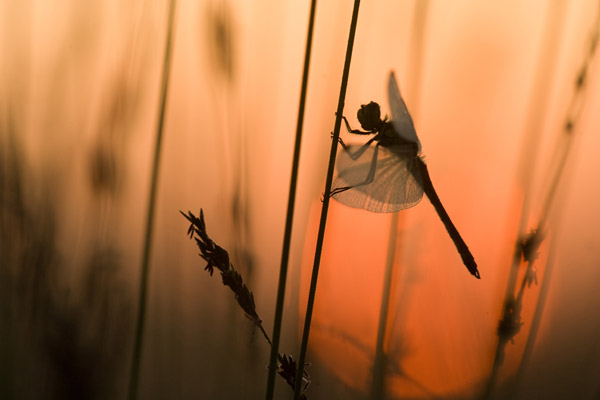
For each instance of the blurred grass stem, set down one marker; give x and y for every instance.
(527, 246)
(283, 269)
(571, 119)
(414, 68)
(326, 198)
(143, 289)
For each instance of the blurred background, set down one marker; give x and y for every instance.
(504, 96)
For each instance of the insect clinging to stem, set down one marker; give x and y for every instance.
(387, 173)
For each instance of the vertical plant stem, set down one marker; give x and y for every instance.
(546, 63)
(553, 28)
(414, 66)
(535, 324)
(380, 363)
(563, 150)
(569, 124)
(283, 269)
(325, 208)
(143, 289)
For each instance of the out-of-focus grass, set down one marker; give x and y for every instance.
(57, 341)
(65, 309)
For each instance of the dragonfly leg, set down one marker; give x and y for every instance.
(358, 152)
(356, 131)
(370, 175)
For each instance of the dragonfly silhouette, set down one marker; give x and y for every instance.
(390, 175)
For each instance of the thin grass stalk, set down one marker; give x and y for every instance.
(535, 324)
(414, 67)
(217, 258)
(529, 154)
(283, 269)
(569, 124)
(326, 199)
(527, 247)
(145, 266)
(380, 363)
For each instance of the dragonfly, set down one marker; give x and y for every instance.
(388, 173)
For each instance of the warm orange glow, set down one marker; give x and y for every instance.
(440, 340)
(489, 86)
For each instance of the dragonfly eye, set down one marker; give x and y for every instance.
(369, 116)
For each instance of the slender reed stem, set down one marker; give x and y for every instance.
(217, 258)
(326, 198)
(283, 269)
(414, 67)
(554, 26)
(571, 119)
(380, 363)
(527, 246)
(143, 289)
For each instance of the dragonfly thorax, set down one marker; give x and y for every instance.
(388, 137)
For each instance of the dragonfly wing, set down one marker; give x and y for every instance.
(395, 185)
(401, 119)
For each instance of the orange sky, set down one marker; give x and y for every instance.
(488, 85)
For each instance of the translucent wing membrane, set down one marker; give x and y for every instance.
(401, 119)
(395, 184)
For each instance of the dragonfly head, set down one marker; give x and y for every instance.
(369, 116)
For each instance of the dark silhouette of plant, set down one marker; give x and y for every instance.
(527, 245)
(220, 32)
(217, 257)
(510, 323)
(136, 357)
(70, 337)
